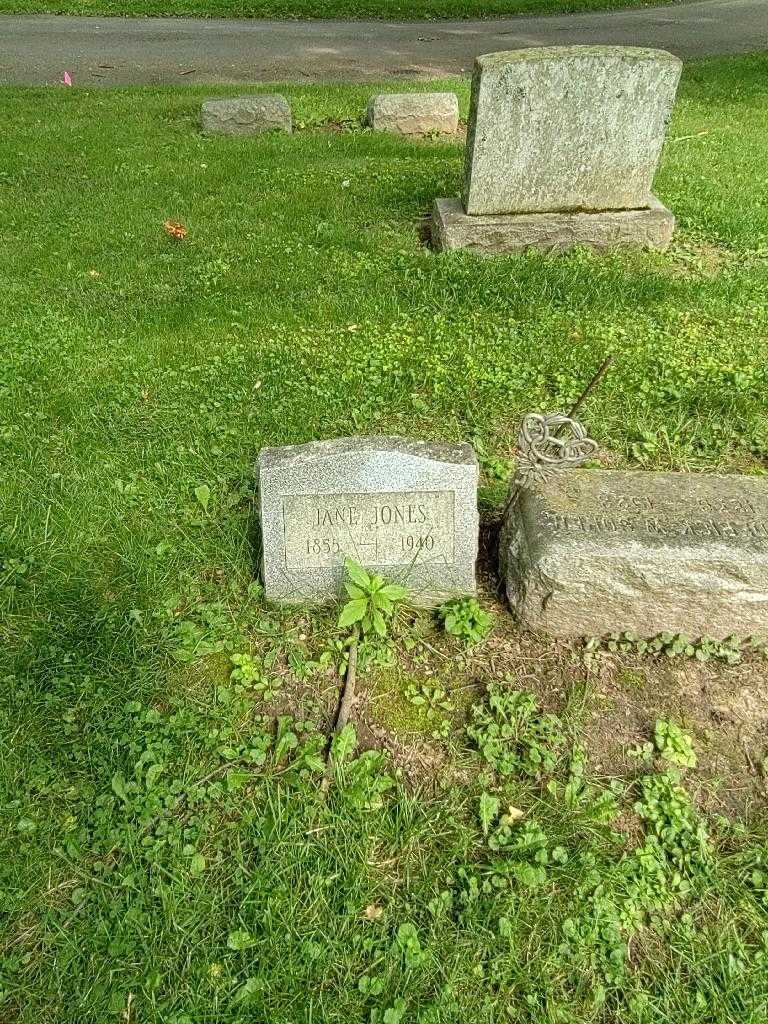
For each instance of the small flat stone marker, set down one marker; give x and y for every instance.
(414, 113)
(247, 115)
(405, 508)
(562, 148)
(596, 552)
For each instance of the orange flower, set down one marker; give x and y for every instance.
(175, 230)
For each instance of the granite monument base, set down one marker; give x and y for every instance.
(648, 228)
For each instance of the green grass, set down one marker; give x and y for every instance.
(160, 860)
(395, 10)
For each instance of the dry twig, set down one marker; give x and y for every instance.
(342, 716)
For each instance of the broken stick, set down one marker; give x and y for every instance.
(342, 715)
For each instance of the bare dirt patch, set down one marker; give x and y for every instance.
(610, 702)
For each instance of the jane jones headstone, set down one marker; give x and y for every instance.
(562, 148)
(587, 553)
(404, 508)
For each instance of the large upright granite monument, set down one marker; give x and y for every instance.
(562, 149)
(402, 507)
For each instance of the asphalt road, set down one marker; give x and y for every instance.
(37, 49)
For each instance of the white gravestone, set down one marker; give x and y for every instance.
(405, 508)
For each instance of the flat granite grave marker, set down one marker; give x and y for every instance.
(414, 113)
(247, 115)
(562, 148)
(405, 508)
(594, 552)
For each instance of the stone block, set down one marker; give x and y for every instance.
(405, 508)
(247, 115)
(452, 228)
(414, 113)
(603, 551)
(574, 128)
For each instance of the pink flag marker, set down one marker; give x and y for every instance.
(67, 79)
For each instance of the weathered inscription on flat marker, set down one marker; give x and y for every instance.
(733, 518)
(589, 553)
(378, 529)
(407, 508)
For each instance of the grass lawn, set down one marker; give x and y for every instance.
(396, 10)
(164, 853)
